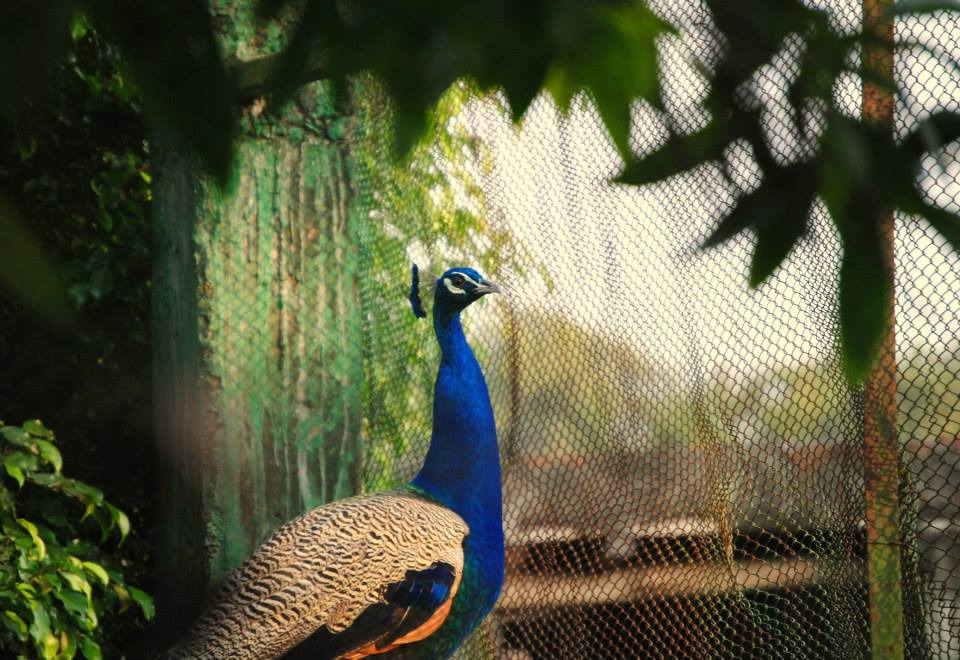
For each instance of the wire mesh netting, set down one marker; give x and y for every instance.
(683, 457)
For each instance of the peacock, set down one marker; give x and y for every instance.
(407, 573)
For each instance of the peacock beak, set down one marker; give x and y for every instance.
(486, 287)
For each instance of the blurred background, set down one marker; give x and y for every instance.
(221, 339)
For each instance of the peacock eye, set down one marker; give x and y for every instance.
(456, 280)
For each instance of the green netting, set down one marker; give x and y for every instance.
(683, 458)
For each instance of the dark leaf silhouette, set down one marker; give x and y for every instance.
(904, 7)
(608, 50)
(174, 57)
(28, 273)
(945, 223)
(34, 37)
(865, 296)
(934, 132)
(777, 214)
(681, 153)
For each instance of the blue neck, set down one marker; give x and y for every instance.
(462, 467)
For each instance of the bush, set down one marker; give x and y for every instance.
(57, 578)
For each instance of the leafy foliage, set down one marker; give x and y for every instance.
(78, 165)
(57, 578)
(418, 49)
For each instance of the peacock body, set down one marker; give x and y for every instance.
(407, 573)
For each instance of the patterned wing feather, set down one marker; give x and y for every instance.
(324, 569)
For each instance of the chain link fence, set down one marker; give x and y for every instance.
(683, 457)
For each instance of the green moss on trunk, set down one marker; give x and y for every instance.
(279, 311)
(256, 302)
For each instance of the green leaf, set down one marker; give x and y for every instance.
(70, 648)
(18, 464)
(79, 292)
(90, 649)
(865, 298)
(122, 595)
(101, 283)
(15, 472)
(50, 454)
(23, 461)
(36, 428)
(144, 601)
(777, 211)
(49, 479)
(17, 436)
(823, 60)
(15, 624)
(84, 492)
(77, 582)
(76, 604)
(854, 151)
(37, 541)
(28, 591)
(862, 177)
(120, 518)
(612, 53)
(97, 571)
(50, 646)
(40, 626)
(946, 223)
(754, 30)
(51, 580)
(79, 26)
(742, 217)
(775, 242)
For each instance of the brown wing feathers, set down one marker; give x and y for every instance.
(320, 572)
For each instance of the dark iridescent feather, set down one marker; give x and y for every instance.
(408, 605)
(415, 303)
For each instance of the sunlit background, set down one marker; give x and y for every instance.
(659, 418)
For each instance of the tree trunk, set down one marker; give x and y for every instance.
(256, 308)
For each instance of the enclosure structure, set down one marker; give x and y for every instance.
(686, 468)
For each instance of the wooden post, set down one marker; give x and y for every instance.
(881, 452)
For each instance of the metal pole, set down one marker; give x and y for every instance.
(881, 452)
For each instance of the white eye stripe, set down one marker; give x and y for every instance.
(468, 278)
(451, 288)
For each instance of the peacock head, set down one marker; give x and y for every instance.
(454, 290)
